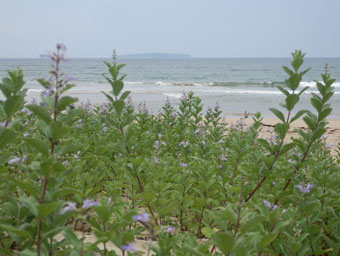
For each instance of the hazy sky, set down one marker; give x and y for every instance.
(202, 28)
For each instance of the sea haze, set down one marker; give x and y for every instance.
(237, 85)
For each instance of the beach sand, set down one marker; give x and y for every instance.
(332, 135)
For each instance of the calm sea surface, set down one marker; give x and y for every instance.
(237, 85)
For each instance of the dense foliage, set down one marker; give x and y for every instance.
(183, 180)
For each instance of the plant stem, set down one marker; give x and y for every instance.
(276, 156)
(239, 208)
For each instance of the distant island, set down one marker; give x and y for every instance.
(155, 56)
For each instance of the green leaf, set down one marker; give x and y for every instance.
(58, 130)
(17, 231)
(31, 204)
(287, 147)
(39, 145)
(124, 95)
(303, 90)
(284, 91)
(288, 70)
(317, 104)
(66, 191)
(223, 241)
(207, 232)
(12, 105)
(64, 102)
(318, 133)
(117, 87)
(266, 240)
(65, 149)
(25, 185)
(119, 106)
(297, 115)
(294, 81)
(72, 239)
(108, 96)
(250, 224)
(310, 121)
(229, 214)
(40, 112)
(278, 114)
(6, 136)
(5, 87)
(324, 113)
(265, 144)
(281, 129)
(45, 83)
(291, 101)
(4, 157)
(5, 252)
(103, 213)
(45, 209)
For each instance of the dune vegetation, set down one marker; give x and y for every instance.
(183, 181)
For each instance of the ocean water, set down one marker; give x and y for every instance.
(237, 85)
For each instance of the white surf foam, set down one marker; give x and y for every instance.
(173, 95)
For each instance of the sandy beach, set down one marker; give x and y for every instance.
(332, 134)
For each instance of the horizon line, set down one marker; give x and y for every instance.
(191, 57)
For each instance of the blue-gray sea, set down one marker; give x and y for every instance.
(236, 84)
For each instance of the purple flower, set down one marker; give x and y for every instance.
(70, 78)
(89, 203)
(184, 143)
(77, 155)
(144, 217)
(25, 158)
(156, 144)
(183, 165)
(65, 163)
(130, 247)
(61, 46)
(223, 157)
(170, 229)
(269, 205)
(25, 110)
(217, 107)
(47, 92)
(266, 203)
(160, 135)
(104, 129)
(329, 145)
(14, 160)
(184, 97)
(70, 206)
(26, 134)
(304, 188)
(46, 55)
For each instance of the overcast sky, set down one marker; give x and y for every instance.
(202, 28)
